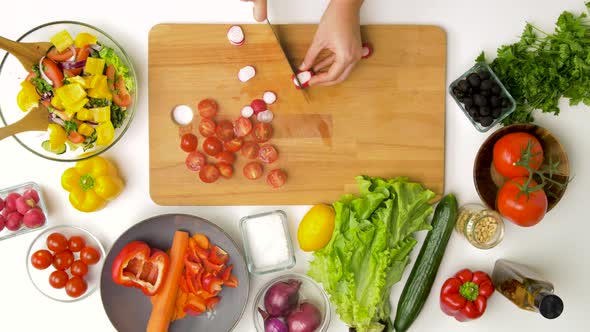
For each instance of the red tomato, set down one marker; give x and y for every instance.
(189, 142)
(209, 173)
(207, 127)
(243, 127)
(226, 170)
(81, 55)
(75, 137)
(56, 242)
(121, 96)
(268, 154)
(195, 160)
(253, 170)
(63, 260)
(276, 178)
(212, 146)
(225, 157)
(41, 259)
(58, 279)
(225, 130)
(53, 72)
(250, 150)
(508, 151)
(79, 268)
(76, 243)
(233, 145)
(207, 108)
(218, 255)
(262, 132)
(516, 207)
(76, 286)
(89, 255)
(57, 56)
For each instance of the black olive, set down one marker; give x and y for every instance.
(473, 109)
(485, 93)
(474, 80)
(476, 118)
(464, 85)
(486, 121)
(472, 113)
(468, 101)
(505, 102)
(484, 111)
(496, 112)
(480, 100)
(495, 89)
(495, 101)
(485, 85)
(459, 94)
(485, 75)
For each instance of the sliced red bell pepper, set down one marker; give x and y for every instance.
(182, 284)
(218, 256)
(134, 267)
(212, 302)
(465, 295)
(194, 305)
(191, 267)
(226, 272)
(211, 283)
(212, 268)
(232, 282)
(204, 294)
(202, 241)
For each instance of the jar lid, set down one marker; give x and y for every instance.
(551, 306)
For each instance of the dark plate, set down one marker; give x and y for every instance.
(129, 310)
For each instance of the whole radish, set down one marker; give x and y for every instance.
(34, 218)
(1, 204)
(23, 205)
(31, 194)
(2, 223)
(10, 202)
(14, 221)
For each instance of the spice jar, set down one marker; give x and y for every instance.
(482, 227)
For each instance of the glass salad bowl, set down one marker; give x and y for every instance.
(12, 74)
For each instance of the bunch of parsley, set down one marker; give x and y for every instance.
(542, 67)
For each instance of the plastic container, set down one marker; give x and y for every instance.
(482, 227)
(310, 291)
(20, 189)
(267, 242)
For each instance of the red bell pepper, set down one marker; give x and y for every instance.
(218, 256)
(465, 295)
(134, 267)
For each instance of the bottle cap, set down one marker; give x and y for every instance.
(551, 306)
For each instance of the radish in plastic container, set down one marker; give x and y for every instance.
(34, 218)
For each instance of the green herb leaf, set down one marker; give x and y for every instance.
(70, 126)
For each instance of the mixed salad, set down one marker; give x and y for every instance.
(85, 87)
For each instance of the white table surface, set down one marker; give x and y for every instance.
(557, 247)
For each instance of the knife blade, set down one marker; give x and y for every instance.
(293, 71)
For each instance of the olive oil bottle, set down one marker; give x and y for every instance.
(526, 289)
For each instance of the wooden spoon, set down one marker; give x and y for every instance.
(35, 120)
(27, 53)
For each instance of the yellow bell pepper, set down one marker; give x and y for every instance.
(56, 102)
(57, 136)
(85, 114)
(79, 80)
(27, 97)
(62, 40)
(91, 183)
(84, 38)
(99, 88)
(77, 106)
(105, 132)
(85, 129)
(94, 66)
(70, 93)
(101, 114)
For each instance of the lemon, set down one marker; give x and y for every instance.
(316, 228)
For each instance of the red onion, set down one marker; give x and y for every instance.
(306, 318)
(71, 65)
(50, 82)
(73, 57)
(282, 297)
(95, 47)
(272, 324)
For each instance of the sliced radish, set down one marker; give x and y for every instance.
(269, 97)
(265, 116)
(304, 77)
(235, 34)
(247, 111)
(258, 105)
(366, 51)
(247, 73)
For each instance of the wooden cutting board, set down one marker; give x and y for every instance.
(387, 119)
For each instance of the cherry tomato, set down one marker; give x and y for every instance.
(243, 127)
(225, 157)
(76, 243)
(79, 268)
(212, 146)
(207, 108)
(268, 154)
(233, 145)
(189, 142)
(89, 255)
(56, 242)
(508, 151)
(253, 170)
(53, 72)
(63, 260)
(226, 170)
(225, 130)
(250, 150)
(75, 137)
(209, 173)
(76, 287)
(58, 279)
(262, 132)
(57, 56)
(276, 178)
(207, 127)
(516, 207)
(41, 259)
(195, 160)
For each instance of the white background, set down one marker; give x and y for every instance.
(558, 247)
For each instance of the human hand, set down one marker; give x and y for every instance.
(259, 9)
(338, 31)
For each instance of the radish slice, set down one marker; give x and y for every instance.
(235, 34)
(265, 116)
(366, 51)
(247, 111)
(182, 115)
(247, 73)
(269, 97)
(304, 77)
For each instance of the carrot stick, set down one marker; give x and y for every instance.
(164, 300)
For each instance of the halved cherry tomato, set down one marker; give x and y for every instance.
(250, 150)
(207, 108)
(209, 173)
(233, 145)
(225, 130)
(212, 146)
(207, 127)
(189, 142)
(276, 178)
(268, 154)
(226, 170)
(253, 170)
(195, 160)
(227, 272)
(57, 56)
(232, 282)
(225, 157)
(262, 132)
(201, 240)
(243, 127)
(53, 72)
(212, 302)
(75, 137)
(211, 283)
(218, 255)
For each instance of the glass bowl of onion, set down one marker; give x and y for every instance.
(291, 303)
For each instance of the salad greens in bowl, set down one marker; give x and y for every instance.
(86, 82)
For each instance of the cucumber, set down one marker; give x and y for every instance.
(424, 271)
(47, 146)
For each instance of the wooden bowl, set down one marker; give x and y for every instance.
(488, 181)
